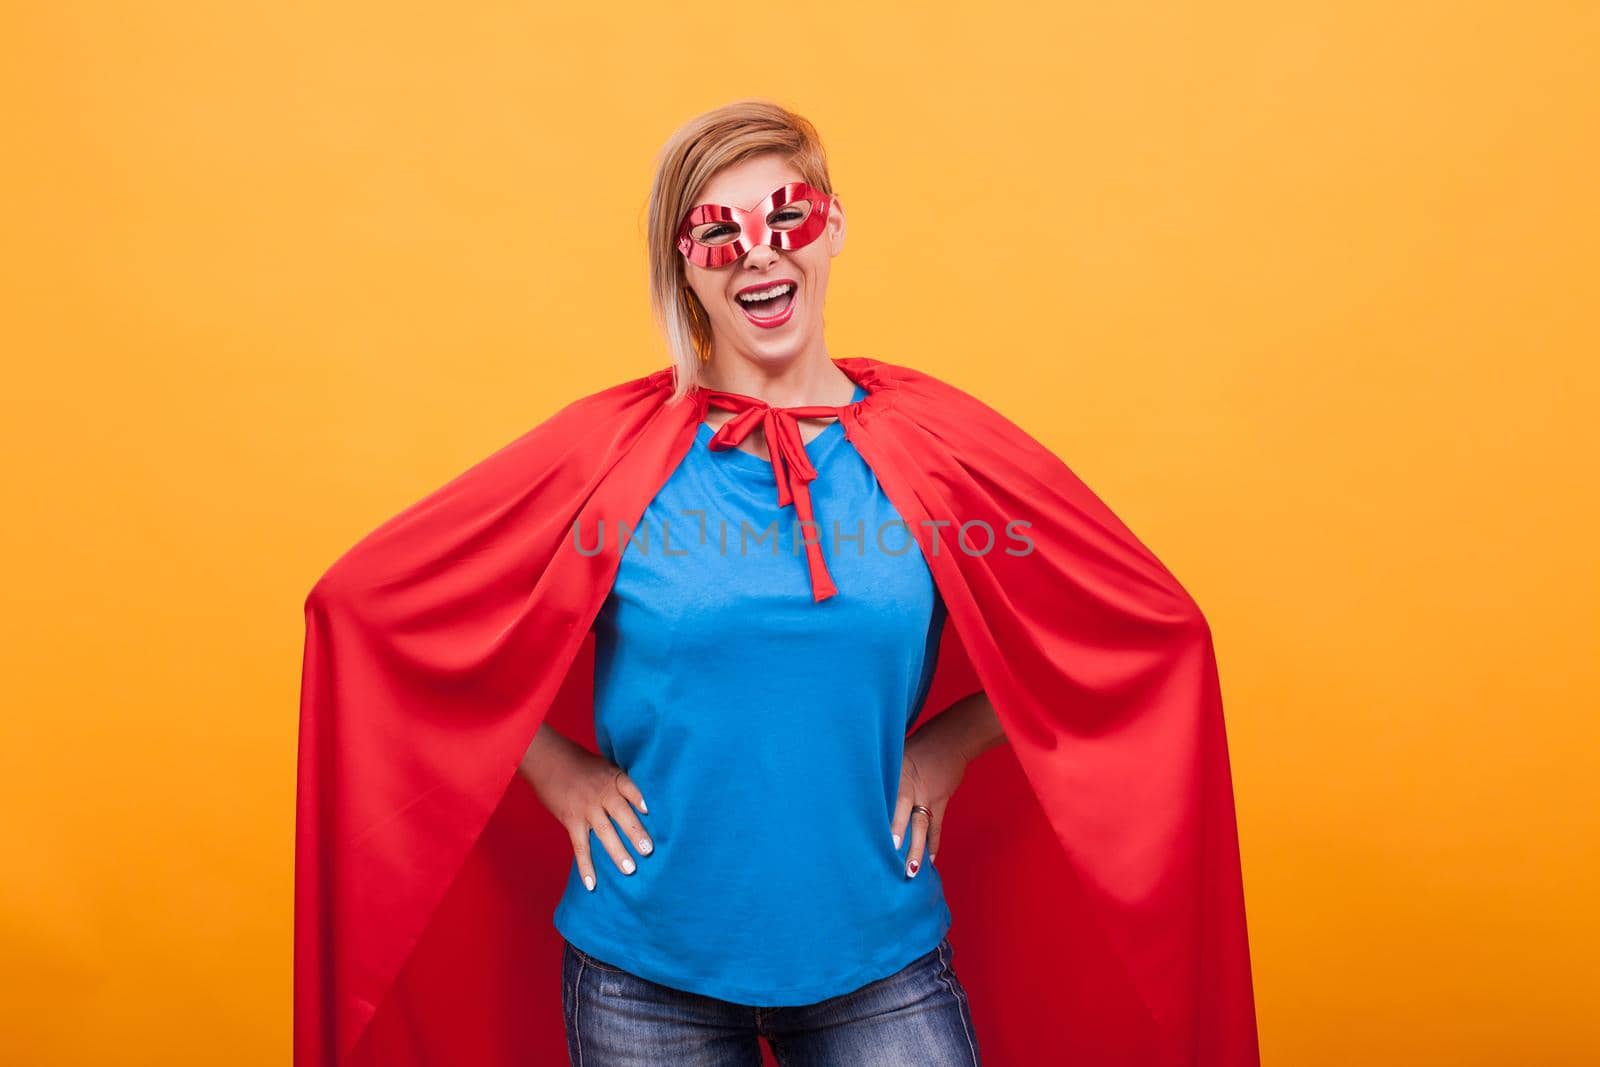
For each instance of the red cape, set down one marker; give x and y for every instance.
(1091, 864)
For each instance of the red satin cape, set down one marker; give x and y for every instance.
(1091, 863)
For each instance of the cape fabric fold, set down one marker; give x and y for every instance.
(1091, 864)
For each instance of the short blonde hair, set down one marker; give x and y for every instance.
(692, 156)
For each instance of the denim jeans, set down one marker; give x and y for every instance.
(918, 1015)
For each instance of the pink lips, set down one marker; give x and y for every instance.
(774, 321)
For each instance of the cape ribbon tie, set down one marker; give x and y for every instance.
(791, 466)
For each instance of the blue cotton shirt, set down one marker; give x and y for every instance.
(766, 732)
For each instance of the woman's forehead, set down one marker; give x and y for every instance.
(745, 194)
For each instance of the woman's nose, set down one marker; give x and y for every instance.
(762, 256)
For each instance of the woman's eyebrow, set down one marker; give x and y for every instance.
(752, 207)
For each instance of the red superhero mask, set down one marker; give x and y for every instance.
(714, 235)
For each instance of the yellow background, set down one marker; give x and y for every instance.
(1307, 292)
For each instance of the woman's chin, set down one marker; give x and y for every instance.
(773, 351)
(776, 345)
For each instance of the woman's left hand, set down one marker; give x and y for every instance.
(929, 773)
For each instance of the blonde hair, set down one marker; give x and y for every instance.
(692, 156)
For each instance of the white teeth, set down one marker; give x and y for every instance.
(766, 294)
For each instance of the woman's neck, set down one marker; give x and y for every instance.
(799, 384)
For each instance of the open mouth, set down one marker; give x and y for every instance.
(768, 306)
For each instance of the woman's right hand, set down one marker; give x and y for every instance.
(586, 792)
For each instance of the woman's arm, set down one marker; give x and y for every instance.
(585, 792)
(969, 726)
(936, 758)
(548, 745)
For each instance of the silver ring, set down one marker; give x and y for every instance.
(918, 807)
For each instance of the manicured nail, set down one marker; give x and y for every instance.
(896, 840)
(644, 846)
(643, 806)
(932, 856)
(588, 880)
(627, 866)
(912, 867)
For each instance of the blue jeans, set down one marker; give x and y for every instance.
(918, 1015)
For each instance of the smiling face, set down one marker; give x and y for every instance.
(791, 235)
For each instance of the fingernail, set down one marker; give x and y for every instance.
(912, 867)
(588, 880)
(932, 856)
(896, 840)
(644, 846)
(643, 806)
(627, 866)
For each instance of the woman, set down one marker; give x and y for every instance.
(753, 573)
(762, 877)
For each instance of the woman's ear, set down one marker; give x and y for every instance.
(836, 226)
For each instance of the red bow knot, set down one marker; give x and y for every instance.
(791, 466)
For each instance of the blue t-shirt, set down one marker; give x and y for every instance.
(766, 732)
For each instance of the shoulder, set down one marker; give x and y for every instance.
(546, 466)
(643, 392)
(581, 429)
(916, 392)
(946, 425)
